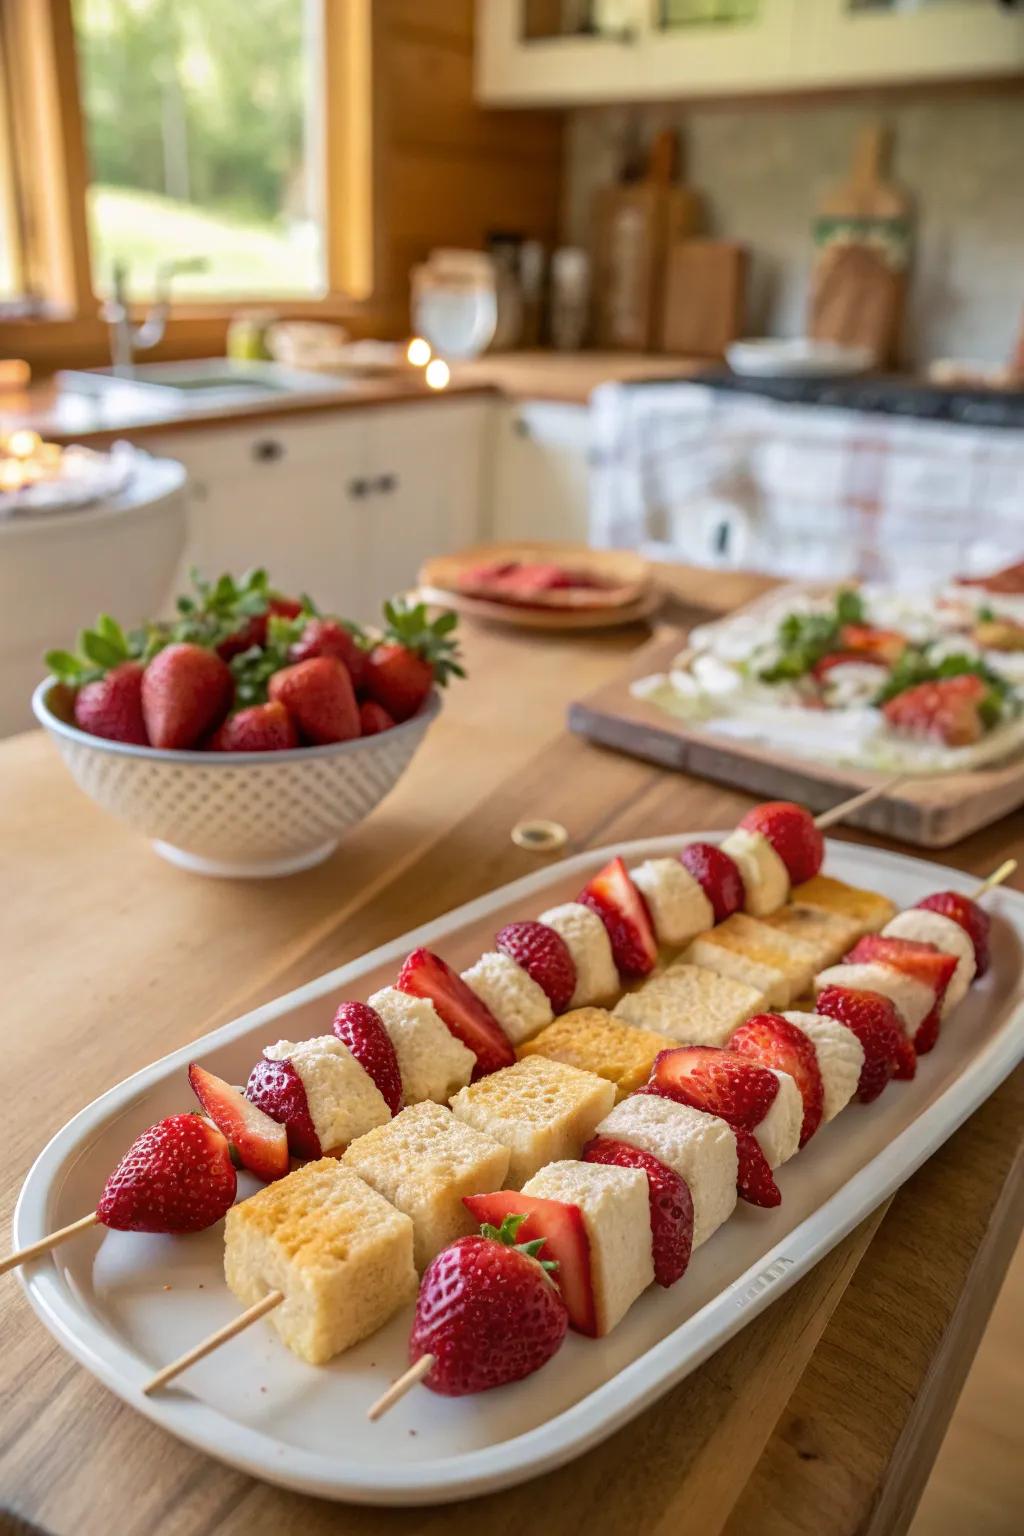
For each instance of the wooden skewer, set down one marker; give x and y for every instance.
(46, 1243)
(997, 877)
(399, 1388)
(846, 807)
(199, 1351)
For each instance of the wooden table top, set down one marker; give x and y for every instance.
(824, 1414)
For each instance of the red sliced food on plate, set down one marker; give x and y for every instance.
(564, 1232)
(775, 1042)
(261, 1143)
(792, 833)
(875, 1022)
(277, 1089)
(469, 1020)
(717, 875)
(755, 1182)
(924, 962)
(623, 910)
(361, 1028)
(544, 955)
(670, 1201)
(720, 1082)
(971, 916)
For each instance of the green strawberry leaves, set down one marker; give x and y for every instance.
(506, 1235)
(99, 651)
(408, 624)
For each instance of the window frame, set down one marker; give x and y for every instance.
(53, 180)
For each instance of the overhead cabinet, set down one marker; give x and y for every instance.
(564, 52)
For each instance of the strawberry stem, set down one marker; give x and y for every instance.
(506, 1235)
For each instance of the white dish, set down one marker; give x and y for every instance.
(764, 357)
(256, 1407)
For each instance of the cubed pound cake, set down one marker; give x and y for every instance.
(594, 1041)
(700, 1148)
(925, 927)
(520, 1006)
(746, 950)
(586, 939)
(840, 1058)
(432, 1062)
(778, 1134)
(912, 999)
(540, 1109)
(765, 877)
(615, 1206)
(867, 909)
(678, 906)
(339, 1253)
(691, 1005)
(423, 1162)
(344, 1102)
(827, 934)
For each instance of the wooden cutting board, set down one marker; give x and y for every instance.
(862, 237)
(634, 227)
(929, 812)
(705, 297)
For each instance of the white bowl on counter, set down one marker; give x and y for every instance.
(242, 815)
(800, 357)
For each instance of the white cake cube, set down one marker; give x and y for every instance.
(778, 1134)
(840, 1058)
(615, 1206)
(678, 906)
(926, 927)
(700, 1148)
(913, 999)
(587, 941)
(432, 1062)
(520, 1006)
(344, 1101)
(765, 877)
(690, 1005)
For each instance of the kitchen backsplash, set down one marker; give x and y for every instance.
(761, 169)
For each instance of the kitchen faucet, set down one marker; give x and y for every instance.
(125, 338)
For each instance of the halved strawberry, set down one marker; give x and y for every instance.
(623, 910)
(755, 1181)
(717, 875)
(871, 644)
(972, 917)
(565, 1240)
(774, 1042)
(359, 1026)
(261, 1143)
(718, 1081)
(792, 833)
(670, 1201)
(948, 710)
(875, 1022)
(544, 956)
(468, 1019)
(277, 1089)
(924, 962)
(906, 1059)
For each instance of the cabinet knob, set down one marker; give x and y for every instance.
(385, 484)
(359, 487)
(267, 450)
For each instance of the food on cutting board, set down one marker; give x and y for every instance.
(598, 1148)
(865, 676)
(542, 584)
(244, 669)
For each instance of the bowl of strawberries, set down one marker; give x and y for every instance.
(247, 734)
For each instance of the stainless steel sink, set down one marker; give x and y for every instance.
(204, 382)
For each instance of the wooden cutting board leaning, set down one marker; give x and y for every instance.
(862, 242)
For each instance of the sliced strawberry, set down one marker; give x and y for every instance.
(905, 1059)
(774, 1042)
(565, 1241)
(870, 644)
(670, 1201)
(360, 1027)
(792, 833)
(717, 875)
(623, 910)
(924, 962)
(719, 1082)
(947, 710)
(261, 1143)
(177, 1176)
(973, 919)
(755, 1181)
(468, 1019)
(544, 956)
(875, 1022)
(277, 1089)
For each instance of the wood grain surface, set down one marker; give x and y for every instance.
(112, 957)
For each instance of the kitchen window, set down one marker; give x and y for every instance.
(204, 127)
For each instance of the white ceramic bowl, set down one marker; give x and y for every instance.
(240, 814)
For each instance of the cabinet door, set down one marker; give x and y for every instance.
(703, 47)
(540, 472)
(533, 53)
(425, 470)
(855, 42)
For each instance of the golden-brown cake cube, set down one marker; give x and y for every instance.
(828, 934)
(541, 1110)
(594, 1041)
(342, 1256)
(424, 1161)
(745, 949)
(867, 909)
(691, 1005)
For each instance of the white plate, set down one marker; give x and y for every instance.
(105, 1298)
(764, 357)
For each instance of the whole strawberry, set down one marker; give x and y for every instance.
(261, 728)
(186, 692)
(373, 718)
(360, 1027)
(972, 918)
(792, 833)
(412, 656)
(319, 696)
(176, 1177)
(487, 1312)
(112, 705)
(326, 637)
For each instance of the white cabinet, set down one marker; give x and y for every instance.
(657, 49)
(344, 505)
(539, 471)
